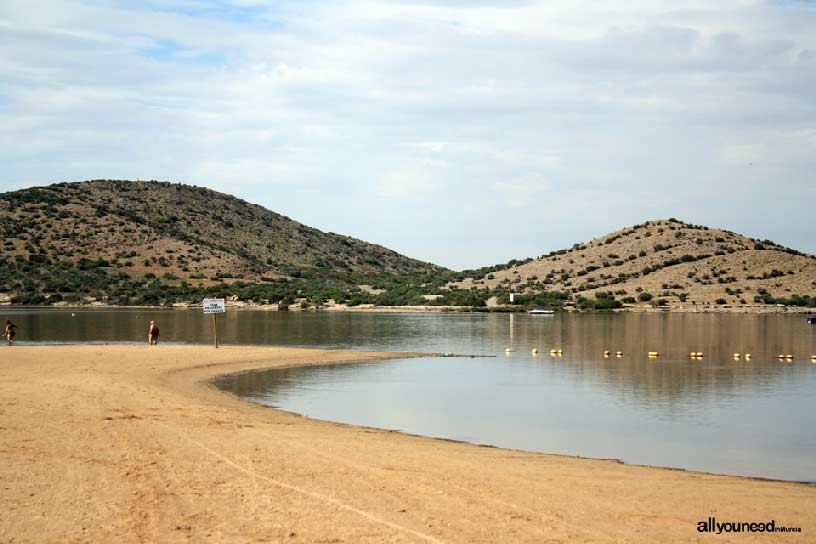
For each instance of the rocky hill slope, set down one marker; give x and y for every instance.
(664, 262)
(72, 237)
(124, 243)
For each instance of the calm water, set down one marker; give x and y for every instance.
(719, 415)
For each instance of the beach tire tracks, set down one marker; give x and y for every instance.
(151, 479)
(313, 494)
(515, 509)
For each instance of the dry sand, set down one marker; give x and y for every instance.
(132, 444)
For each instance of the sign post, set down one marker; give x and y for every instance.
(214, 306)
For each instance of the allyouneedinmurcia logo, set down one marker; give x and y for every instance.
(711, 525)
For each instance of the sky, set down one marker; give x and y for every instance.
(465, 133)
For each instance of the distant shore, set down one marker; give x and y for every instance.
(700, 308)
(132, 443)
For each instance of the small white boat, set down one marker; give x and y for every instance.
(541, 312)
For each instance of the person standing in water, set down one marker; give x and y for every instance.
(153, 334)
(10, 331)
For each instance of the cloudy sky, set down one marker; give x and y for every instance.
(461, 132)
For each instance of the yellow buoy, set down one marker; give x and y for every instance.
(508, 350)
(618, 354)
(607, 353)
(747, 356)
(535, 350)
(788, 356)
(736, 356)
(813, 358)
(654, 354)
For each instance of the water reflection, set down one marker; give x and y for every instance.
(758, 427)
(752, 417)
(672, 334)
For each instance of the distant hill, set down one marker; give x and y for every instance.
(151, 243)
(91, 238)
(663, 262)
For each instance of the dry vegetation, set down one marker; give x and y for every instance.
(676, 263)
(193, 232)
(122, 242)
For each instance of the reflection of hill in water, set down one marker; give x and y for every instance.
(719, 415)
(667, 384)
(674, 376)
(663, 383)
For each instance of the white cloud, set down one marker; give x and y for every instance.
(788, 149)
(419, 180)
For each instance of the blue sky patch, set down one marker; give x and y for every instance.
(221, 10)
(169, 51)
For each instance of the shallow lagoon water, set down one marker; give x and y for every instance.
(718, 414)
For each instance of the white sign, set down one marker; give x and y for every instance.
(214, 305)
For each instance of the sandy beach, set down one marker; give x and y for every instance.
(133, 444)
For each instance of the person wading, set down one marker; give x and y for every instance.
(11, 331)
(153, 334)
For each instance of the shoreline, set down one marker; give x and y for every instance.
(132, 443)
(211, 381)
(710, 309)
(494, 446)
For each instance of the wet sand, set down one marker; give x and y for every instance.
(133, 444)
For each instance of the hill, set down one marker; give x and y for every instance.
(108, 240)
(125, 243)
(663, 262)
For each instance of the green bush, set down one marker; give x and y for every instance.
(604, 301)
